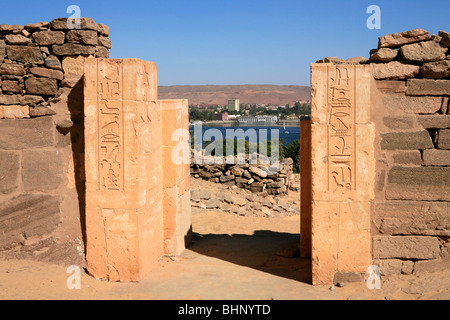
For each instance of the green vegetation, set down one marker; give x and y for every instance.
(201, 114)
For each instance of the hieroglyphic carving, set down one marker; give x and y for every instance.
(110, 128)
(341, 131)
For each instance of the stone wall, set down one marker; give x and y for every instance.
(41, 138)
(411, 212)
(257, 178)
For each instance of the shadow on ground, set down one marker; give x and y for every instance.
(268, 251)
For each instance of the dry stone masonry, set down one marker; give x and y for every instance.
(42, 213)
(257, 178)
(410, 210)
(38, 60)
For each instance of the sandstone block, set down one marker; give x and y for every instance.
(427, 87)
(445, 38)
(435, 157)
(434, 121)
(103, 29)
(412, 104)
(53, 62)
(419, 183)
(10, 28)
(9, 171)
(12, 69)
(400, 122)
(389, 86)
(412, 157)
(17, 39)
(41, 170)
(87, 37)
(384, 55)
(406, 141)
(12, 86)
(72, 49)
(105, 42)
(23, 134)
(444, 139)
(394, 71)
(64, 24)
(28, 216)
(14, 112)
(41, 86)
(2, 50)
(412, 218)
(47, 73)
(436, 70)
(36, 26)
(397, 39)
(427, 51)
(25, 54)
(49, 38)
(408, 247)
(101, 52)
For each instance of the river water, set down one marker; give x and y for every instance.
(286, 137)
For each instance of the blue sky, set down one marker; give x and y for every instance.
(199, 42)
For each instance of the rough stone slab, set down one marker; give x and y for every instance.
(12, 69)
(41, 86)
(105, 42)
(436, 70)
(445, 38)
(435, 121)
(391, 86)
(86, 37)
(394, 71)
(62, 24)
(427, 87)
(432, 266)
(53, 62)
(47, 73)
(10, 28)
(406, 141)
(28, 216)
(435, 157)
(412, 105)
(36, 26)
(42, 170)
(48, 38)
(2, 50)
(412, 157)
(403, 122)
(17, 39)
(419, 183)
(444, 139)
(384, 55)
(103, 29)
(12, 86)
(412, 218)
(25, 54)
(428, 51)
(397, 39)
(407, 247)
(24, 134)
(9, 171)
(72, 49)
(14, 112)
(101, 52)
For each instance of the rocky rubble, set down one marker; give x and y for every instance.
(36, 62)
(407, 55)
(256, 178)
(234, 200)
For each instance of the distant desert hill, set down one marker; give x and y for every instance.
(247, 94)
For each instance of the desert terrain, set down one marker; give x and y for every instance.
(247, 94)
(232, 257)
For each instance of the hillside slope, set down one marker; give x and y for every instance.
(247, 94)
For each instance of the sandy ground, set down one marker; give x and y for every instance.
(231, 258)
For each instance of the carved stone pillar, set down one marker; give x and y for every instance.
(343, 165)
(123, 159)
